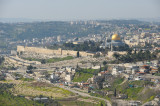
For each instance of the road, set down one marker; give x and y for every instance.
(85, 94)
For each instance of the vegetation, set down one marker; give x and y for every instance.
(157, 74)
(148, 95)
(30, 67)
(84, 74)
(134, 57)
(115, 82)
(118, 81)
(78, 54)
(135, 90)
(59, 59)
(132, 90)
(121, 48)
(77, 103)
(48, 29)
(101, 96)
(7, 99)
(132, 93)
(20, 77)
(27, 79)
(1, 60)
(86, 46)
(80, 76)
(51, 60)
(33, 89)
(141, 83)
(83, 101)
(104, 63)
(159, 69)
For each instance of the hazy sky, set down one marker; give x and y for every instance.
(79, 9)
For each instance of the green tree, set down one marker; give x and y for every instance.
(147, 55)
(158, 69)
(104, 63)
(78, 54)
(115, 92)
(116, 55)
(30, 67)
(43, 61)
(129, 51)
(1, 60)
(100, 69)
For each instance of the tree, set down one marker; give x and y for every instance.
(1, 60)
(43, 61)
(129, 51)
(100, 69)
(116, 55)
(147, 55)
(101, 104)
(104, 63)
(158, 69)
(29, 67)
(77, 53)
(115, 93)
(77, 66)
(105, 67)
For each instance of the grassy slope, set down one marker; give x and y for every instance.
(76, 103)
(8, 99)
(139, 92)
(30, 89)
(79, 77)
(84, 74)
(51, 60)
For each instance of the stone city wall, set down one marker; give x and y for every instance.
(110, 53)
(38, 50)
(51, 52)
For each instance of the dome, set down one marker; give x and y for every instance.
(116, 37)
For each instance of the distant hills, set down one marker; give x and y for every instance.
(17, 20)
(150, 19)
(28, 29)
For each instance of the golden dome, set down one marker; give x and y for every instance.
(116, 37)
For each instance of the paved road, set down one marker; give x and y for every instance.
(86, 95)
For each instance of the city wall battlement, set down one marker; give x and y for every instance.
(45, 51)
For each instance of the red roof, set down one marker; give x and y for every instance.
(106, 71)
(102, 72)
(158, 48)
(145, 66)
(154, 69)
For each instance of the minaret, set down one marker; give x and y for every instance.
(105, 42)
(111, 47)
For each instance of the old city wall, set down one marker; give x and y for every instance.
(20, 48)
(85, 54)
(51, 52)
(38, 50)
(110, 53)
(69, 52)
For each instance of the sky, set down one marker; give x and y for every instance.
(79, 9)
